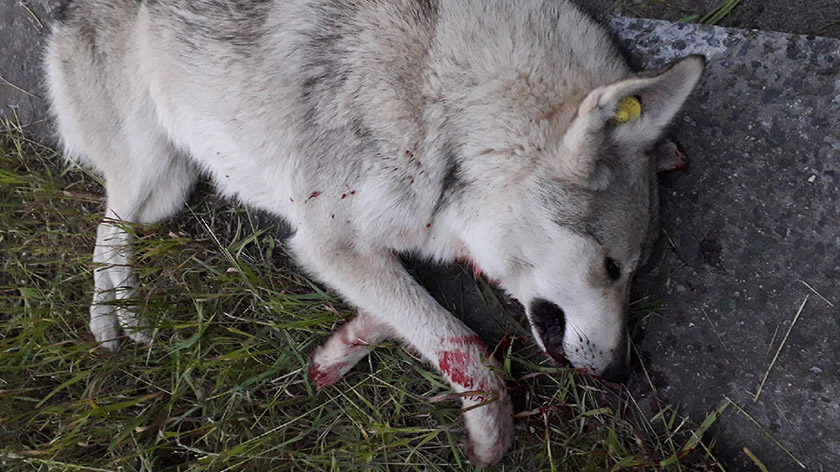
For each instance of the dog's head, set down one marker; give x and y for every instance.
(589, 213)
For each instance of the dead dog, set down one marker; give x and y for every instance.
(512, 134)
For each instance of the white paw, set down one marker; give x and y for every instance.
(332, 360)
(104, 326)
(489, 429)
(106, 322)
(345, 347)
(136, 327)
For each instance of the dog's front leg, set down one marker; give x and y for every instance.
(375, 281)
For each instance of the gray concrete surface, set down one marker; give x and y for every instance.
(805, 17)
(22, 27)
(754, 219)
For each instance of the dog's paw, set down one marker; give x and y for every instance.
(332, 360)
(105, 326)
(343, 350)
(325, 375)
(107, 322)
(489, 430)
(136, 327)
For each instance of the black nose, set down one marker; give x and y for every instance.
(617, 372)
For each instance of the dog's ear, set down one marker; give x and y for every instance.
(634, 112)
(661, 95)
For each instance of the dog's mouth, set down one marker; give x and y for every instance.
(549, 324)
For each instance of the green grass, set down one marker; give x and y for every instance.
(719, 12)
(686, 9)
(224, 386)
(714, 16)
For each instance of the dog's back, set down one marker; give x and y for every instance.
(257, 92)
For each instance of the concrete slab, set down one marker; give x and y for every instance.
(753, 230)
(821, 17)
(753, 234)
(22, 29)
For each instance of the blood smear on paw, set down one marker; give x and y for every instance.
(454, 364)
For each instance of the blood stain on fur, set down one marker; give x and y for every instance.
(312, 195)
(325, 377)
(587, 371)
(464, 258)
(454, 364)
(504, 344)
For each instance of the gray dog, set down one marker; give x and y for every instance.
(510, 134)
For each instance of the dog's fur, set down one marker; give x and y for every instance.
(451, 129)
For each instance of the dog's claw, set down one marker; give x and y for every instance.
(323, 377)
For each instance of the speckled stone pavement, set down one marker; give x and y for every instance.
(753, 234)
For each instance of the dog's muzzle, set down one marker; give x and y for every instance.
(549, 323)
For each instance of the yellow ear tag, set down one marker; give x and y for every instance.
(628, 109)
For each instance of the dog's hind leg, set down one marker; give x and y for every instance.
(146, 181)
(374, 280)
(345, 347)
(107, 121)
(152, 184)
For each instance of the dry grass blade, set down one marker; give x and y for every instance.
(817, 293)
(779, 351)
(767, 433)
(755, 460)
